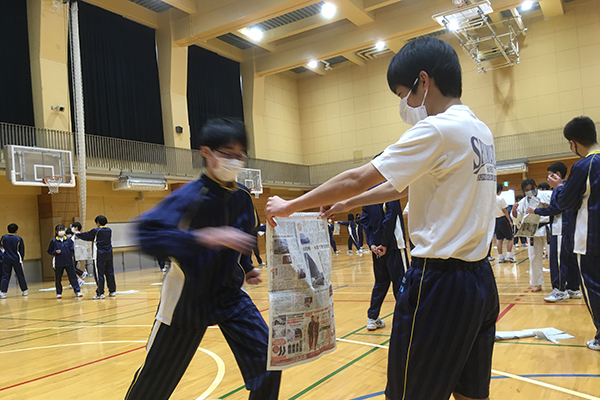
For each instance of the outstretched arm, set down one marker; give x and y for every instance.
(345, 185)
(381, 194)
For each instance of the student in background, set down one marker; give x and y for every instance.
(61, 248)
(330, 228)
(382, 223)
(504, 228)
(533, 198)
(352, 234)
(564, 272)
(103, 260)
(581, 193)
(14, 254)
(360, 231)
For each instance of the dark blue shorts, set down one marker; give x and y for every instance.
(503, 229)
(443, 331)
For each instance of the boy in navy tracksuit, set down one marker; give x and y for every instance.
(207, 228)
(62, 249)
(581, 193)
(352, 234)
(101, 236)
(14, 253)
(380, 222)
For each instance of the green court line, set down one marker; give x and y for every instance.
(232, 392)
(337, 371)
(543, 344)
(372, 334)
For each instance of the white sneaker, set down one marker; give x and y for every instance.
(556, 295)
(84, 275)
(25, 293)
(490, 258)
(81, 282)
(2, 295)
(510, 259)
(59, 296)
(78, 294)
(501, 259)
(517, 245)
(373, 324)
(349, 252)
(574, 294)
(337, 252)
(593, 344)
(359, 252)
(99, 297)
(112, 294)
(545, 270)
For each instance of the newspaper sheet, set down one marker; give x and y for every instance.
(302, 325)
(83, 249)
(529, 226)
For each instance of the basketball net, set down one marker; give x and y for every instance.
(53, 183)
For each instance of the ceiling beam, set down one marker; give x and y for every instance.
(354, 11)
(188, 6)
(411, 20)
(371, 5)
(352, 57)
(222, 49)
(232, 16)
(129, 10)
(297, 27)
(552, 8)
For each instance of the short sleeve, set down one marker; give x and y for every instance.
(416, 153)
(503, 203)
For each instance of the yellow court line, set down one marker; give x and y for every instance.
(509, 375)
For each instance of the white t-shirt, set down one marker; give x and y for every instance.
(501, 204)
(543, 196)
(449, 163)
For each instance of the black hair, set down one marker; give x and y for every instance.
(218, 132)
(528, 182)
(518, 197)
(101, 219)
(431, 55)
(350, 217)
(544, 186)
(498, 188)
(558, 167)
(58, 227)
(12, 228)
(76, 225)
(68, 231)
(581, 130)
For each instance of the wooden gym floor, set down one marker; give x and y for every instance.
(81, 348)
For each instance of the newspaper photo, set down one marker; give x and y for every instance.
(301, 318)
(529, 226)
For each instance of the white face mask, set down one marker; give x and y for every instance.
(531, 193)
(412, 115)
(61, 233)
(227, 169)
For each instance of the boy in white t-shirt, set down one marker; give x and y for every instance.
(446, 159)
(504, 228)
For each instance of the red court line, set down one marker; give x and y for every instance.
(76, 315)
(545, 304)
(71, 369)
(503, 313)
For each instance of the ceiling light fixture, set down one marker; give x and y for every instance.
(312, 64)
(526, 5)
(380, 45)
(255, 33)
(328, 10)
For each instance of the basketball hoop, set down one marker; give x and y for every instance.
(53, 182)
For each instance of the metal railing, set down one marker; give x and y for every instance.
(112, 154)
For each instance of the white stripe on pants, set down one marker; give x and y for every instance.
(536, 252)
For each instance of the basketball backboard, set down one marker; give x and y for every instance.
(28, 166)
(251, 179)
